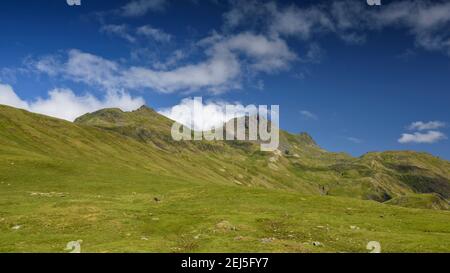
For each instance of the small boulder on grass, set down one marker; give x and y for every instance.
(267, 240)
(16, 227)
(225, 226)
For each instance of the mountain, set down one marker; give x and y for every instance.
(300, 164)
(120, 183)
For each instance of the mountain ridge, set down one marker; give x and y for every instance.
(300, 164)
(128, 187)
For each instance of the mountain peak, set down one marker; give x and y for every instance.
(111, 114)
(144, 108)
(306, 138)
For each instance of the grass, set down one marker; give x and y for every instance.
(423, 201)
(61, 182)
(115, 211)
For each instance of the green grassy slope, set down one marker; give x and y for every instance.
(122, 191)
(300, 164)
(422, 201)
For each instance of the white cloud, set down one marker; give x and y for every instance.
(420, 15)
(139, 8)
(216, 74)
(228, 59)
(79, 67)
(355, 140)
(308, 115)
(91, 69)
(154, 33)
(428, 137)
(288, 21)
(293, 21)
(64, 104)
(426, 21)
(259, 53)
(265, 54)
(132, 35)
(48, 64)
(121, 31)
(213, 113)
(171, 61)
(242, 11)
(9, 97)
(421, 126)
(221, 70)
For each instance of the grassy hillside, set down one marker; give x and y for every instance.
(422, 201)
(120, 184)
(300, 164)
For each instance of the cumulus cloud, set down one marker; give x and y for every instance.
(421, 126)
(216, 74)
(138, 8)
(89, 68)
(265, 54)
(428, 137)
(207, 115)
(79, 67)
(256, 53)
(293, 21)
(253, 41)
(227, 60)
(65, 104)
(9, 97)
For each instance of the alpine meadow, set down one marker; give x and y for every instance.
(118, 182)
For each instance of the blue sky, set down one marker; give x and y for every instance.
(358, 78)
